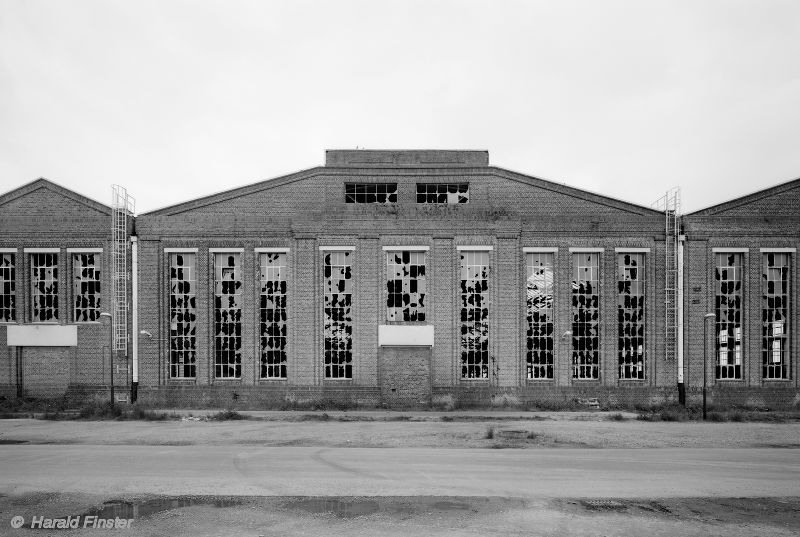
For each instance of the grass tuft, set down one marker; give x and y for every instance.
(227, 415)
(489, 433)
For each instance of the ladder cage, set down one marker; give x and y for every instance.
(123, 208)
(670, 205)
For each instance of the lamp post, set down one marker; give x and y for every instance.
(705, 354)
(110, 351)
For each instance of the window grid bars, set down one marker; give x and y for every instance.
(443, 193)
(540, 307)
(775, 328)
(182, 313)
(474, 315)
(585, 316)
(8, 288)
(44, 287)
(406, 286)
(272, 309)
(86, 287)
(227, 316)
(631, 280)
(370, 192)
(728, 311)
(337, 314)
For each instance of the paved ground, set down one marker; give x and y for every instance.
(281, 477)
(293, 471)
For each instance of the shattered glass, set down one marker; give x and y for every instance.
(86, 287)
(273, 315)
(539, 301)
(8, 284)
(728, 311)
(406, 286)
(182, 316)
(586, 316)
(443, 193)
(474, 315)
(44, 287)
(337, 314)
(630, 312)
(227, 315)
(775, 325)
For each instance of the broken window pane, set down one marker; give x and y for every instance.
(370, 192)
(406, 286)
(586, 316)
(630, 312)
(444, 193)
(273, 315)
(338, 315)
(182, 315)
(728, 310)
(86, 287)
(775, 314)
(227, 315)
(44, 287)
(474, 315)
(8, 288)
(539, 291)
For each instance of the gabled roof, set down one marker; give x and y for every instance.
(53, 187)
(749, 198)
(431, 172)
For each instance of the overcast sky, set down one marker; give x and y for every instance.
(180, 99)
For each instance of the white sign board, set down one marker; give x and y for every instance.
(42, 335)
(404, 335)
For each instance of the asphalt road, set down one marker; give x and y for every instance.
(301, 471)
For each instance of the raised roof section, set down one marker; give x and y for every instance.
(425, 158)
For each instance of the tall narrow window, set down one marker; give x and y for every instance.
(728, 310)
(586, 316)
(8, 288)
(182, 315)
(227, 316)
(370, 193)
(630, 312)
(443, 193)
(474, 315)
(775, 316)
(273, 315)
(405, 286)
(539, 291)
(338, 315)
(44, 287)
(86, 287)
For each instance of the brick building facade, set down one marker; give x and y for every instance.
(408, 278)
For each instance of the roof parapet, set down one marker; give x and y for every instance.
(414, 158)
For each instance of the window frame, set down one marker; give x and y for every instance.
(643, 322)
(168, 252)
(530, 366)
(787, 326)
(349, 353)
(98, 266)
(29, 253)
(13, 270)
(574, 357)
(447, 186)
(370, 188)
(394, 250)
(465, 364)
(238, 362)
(284, 272)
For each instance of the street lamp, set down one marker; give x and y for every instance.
(110, 351)
(705, 353)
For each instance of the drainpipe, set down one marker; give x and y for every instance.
(681, 385)
(135, 316)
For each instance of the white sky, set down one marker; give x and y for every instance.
(179, 99)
